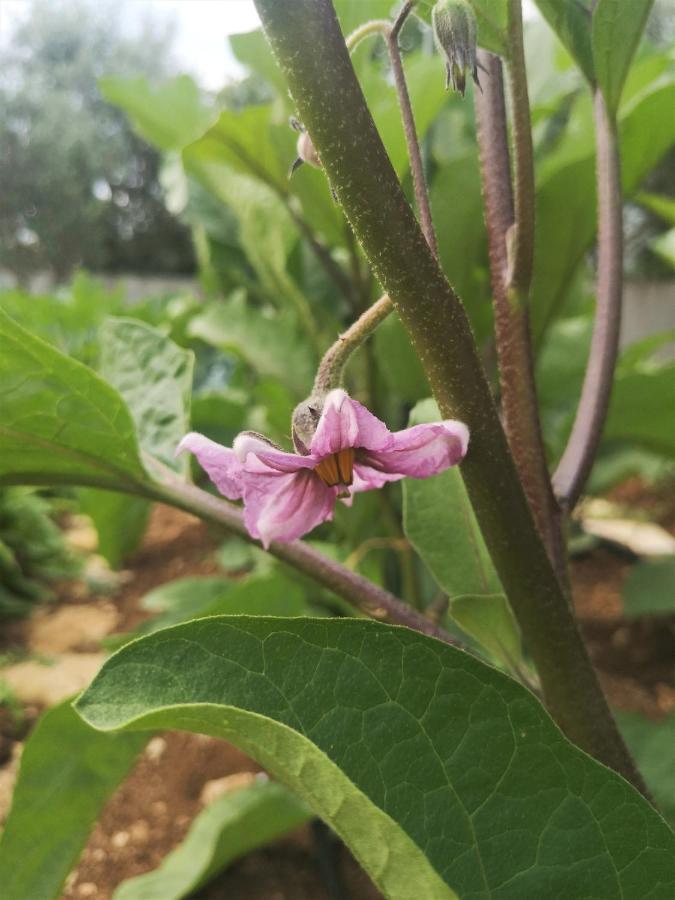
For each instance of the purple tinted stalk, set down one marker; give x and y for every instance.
(577, 460)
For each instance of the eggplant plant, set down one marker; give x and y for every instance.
(458, 742)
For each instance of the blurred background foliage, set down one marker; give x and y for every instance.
(115, 161)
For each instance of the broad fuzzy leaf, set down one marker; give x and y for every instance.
(60, 421)
(439, 772)
(169, 116)
(154, 376)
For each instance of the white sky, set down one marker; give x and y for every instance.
(201, 29)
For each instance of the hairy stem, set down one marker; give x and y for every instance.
(522, 250)
(364, 595)
(582, 446)
(514, 347)
(306, 39)
(390, 32)
(331, 368)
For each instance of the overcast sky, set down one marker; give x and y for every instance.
(201, 30)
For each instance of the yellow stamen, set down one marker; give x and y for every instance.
(337, 468)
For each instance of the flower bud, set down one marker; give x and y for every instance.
(304, 148)
(454, 25)
(304, 421)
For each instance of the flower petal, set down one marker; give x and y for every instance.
(247, 446)
(220, 463)
(422, 450)
(366, 478)
(282, 506)
(346, 423)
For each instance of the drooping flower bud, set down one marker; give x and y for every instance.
(304, 420)
(454, 25)
(304, 148)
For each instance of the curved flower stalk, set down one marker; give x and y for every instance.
(288, 494)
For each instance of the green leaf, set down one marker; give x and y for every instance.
(269, 343)
(120, 521)
(440, 524)
(571, 21)
(244, 140)
(651, 742)
(67, 773)
(168, 116)
(566, 215)
(616, 31)
(660, 205)
(439, 772)
(253, 51)
(488, 619)
(457, 208)
(664, 247)
(636, 411)
(230, 827)
(61, 422)
(650, 588)
(426, 86)
(154, 376)
(259, 594)
(491, 21)
(398, 363)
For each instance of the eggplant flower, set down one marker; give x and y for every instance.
(286, 495)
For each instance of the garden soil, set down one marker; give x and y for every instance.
(178, 773)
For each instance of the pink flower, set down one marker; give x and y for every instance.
(288, 494)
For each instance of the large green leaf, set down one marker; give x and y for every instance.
(233, 825)
(154, 376)
(68, 771)
(566, 215)
(60, 421)
(440, 523)
(637, 411)
(616, 31)
(269, 343)
(439, 772)
(168, 116)
(571, 21)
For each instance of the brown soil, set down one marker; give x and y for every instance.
(152, 811)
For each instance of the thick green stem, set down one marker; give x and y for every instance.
(582, 447)
(519, 402)
(306, 39)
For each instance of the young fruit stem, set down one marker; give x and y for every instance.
(519, 402)
(307, 42)
(582, 447)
